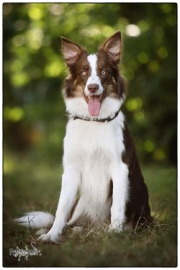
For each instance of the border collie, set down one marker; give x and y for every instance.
(102, 180)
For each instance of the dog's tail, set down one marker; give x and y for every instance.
(36, 220)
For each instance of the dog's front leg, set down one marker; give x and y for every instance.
(119, 197)
(69, 188)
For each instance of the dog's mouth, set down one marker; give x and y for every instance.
(94, 104)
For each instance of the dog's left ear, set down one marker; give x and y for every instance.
(112, 46)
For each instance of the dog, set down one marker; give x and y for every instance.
(99, 161)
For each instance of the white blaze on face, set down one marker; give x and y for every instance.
(93, 98)
(93, 78)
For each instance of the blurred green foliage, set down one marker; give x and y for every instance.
(33, 70)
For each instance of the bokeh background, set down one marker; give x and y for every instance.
(34, 113)
(35, 118)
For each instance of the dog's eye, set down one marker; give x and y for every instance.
(83, 73)
(103, 72)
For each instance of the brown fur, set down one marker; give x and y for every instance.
(112, 82)
(138, 210)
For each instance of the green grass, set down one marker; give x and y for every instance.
(31, 184)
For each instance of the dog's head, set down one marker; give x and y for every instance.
(93, 77)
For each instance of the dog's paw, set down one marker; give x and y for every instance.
(117, 228)
(50, 238)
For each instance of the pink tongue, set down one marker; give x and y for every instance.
(94, 105)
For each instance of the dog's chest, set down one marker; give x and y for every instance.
(94, 149)
(93, 142)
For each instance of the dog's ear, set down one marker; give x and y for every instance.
(112, 46)
(71, 51)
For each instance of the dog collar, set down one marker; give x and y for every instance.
(103, 120)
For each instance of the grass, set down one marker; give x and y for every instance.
(30, 184)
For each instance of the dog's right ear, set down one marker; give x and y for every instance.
(71, 51)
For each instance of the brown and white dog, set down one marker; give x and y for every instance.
(99, 161)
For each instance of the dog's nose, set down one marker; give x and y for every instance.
(93, 88)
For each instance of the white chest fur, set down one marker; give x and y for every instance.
(94, 149)
(85, 139)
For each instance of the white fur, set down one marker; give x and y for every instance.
(92, 157)
(36, 220)
(93, 79)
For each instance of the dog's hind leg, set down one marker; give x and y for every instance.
(70, 184)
